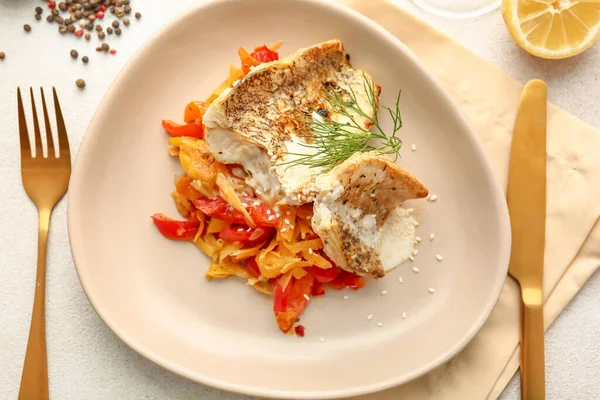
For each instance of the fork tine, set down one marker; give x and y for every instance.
(49, 139)
(23, 133)
(39, 150)
(63, 140)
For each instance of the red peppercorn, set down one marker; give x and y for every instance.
(113, 51)
(79, 33)
(100, 14)
(102, 7)
(299, 330)
(52, 5)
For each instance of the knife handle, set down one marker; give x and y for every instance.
(533, 384)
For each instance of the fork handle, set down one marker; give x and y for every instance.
(532, 350)
(34, 381)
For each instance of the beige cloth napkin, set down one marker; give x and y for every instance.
(488, 98)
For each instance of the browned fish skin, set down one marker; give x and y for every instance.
(374, 185)
(267, 105)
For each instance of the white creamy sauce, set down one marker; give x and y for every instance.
(295, 178)
(398, 238)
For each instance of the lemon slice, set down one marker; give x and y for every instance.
(553, 28)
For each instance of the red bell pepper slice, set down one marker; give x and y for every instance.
(318, 288)
(347, 279)
(192, 129)
(245, 235)
(326, 275)
(264, 54)
(260, 213)
(174, 229)
(298, 291)
(252, 267)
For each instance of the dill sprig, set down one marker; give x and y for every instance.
(334, 142)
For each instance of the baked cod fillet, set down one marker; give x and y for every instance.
(261, 119)
(359, 218)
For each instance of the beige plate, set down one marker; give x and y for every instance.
(152, 292)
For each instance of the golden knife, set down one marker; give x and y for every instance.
(526, 196)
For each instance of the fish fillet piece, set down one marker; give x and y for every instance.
(261, 119)
(353, 213)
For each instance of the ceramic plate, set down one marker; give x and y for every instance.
(152, 292)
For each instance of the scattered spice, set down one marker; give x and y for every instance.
(138, 15)
(79, 33)
(99, 28)
(118, 31)
(39, 10)
(113, 52)
(50, 18)
(74, 54)
(109, 30)
(38, 17)
(2, 55)
(101, 35)
(80, 83)
(115, 24)
(126, 21)
(88, 36)
(105, 47)
(85, 59)
(27, 27)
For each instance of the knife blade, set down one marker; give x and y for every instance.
(526, 197)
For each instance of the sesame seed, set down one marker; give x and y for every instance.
(287, 212)
(322, 339)
(439, 257)
(379, 324)
(283, 230)
(310, 251)
(271, 218)
(369, 317)
(414, 147)
(418, 239)
(400, 280)
(240, 229)
(291, 226)
(346, 297)
(415, 252)
(245, 205)
(257, 203)
(432, 236)
(306, 296)
(372, 195)
(383, 292)
(286, 221)
(248, 230)
(308, 217)
(404, 315)
(278, 214)
(431, 290)
(433, 197)
(417, 223)
(411, 257)
(268, 212)
(415, 270)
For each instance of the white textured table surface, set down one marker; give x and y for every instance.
(86, 360)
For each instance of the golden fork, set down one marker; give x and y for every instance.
(45, 180)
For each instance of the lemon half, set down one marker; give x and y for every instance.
(553, 28)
